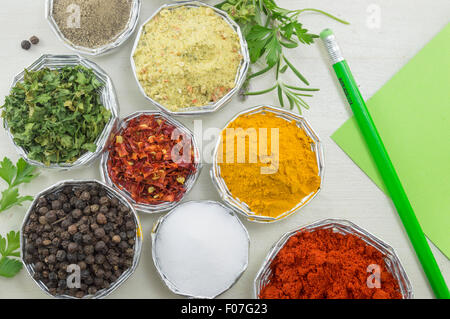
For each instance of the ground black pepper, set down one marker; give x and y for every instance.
(100, 21)
(57, 236)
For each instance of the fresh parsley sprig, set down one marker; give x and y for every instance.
(269, 29)
(14, 175)
(9, 246)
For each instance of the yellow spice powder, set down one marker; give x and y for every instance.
(293, 177)
(187, 57)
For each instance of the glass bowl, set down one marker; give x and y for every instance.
(107, 97)
(119, 40)
(344, 227)
(240, 76)
(111, 193)
(242, 207)
(190, 181)
(172, 287)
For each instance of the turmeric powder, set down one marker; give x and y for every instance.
(278, 168)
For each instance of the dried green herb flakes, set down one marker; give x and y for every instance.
(56, 115)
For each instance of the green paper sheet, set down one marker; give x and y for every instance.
(412, 114)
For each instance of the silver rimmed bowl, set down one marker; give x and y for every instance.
(116, 42)
(112, 193)
(190, 181)
(242, 207)
(156, 259)
(240, 75)
(343, 227)
(107, 97)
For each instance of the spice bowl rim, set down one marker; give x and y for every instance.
(120, 39)
(107, 95)
(154, 234)
(111, 192)
(240, 74)
(241, 207)
(338, 225)
(191, 180)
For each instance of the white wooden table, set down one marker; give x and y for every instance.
(375, 49)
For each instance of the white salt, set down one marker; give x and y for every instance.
(201, 248)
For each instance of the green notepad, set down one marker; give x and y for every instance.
(412, 114)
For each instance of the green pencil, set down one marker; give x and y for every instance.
(385, 167)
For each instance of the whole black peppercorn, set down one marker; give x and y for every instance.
(62, 274)
(80, 204)
(26, 45)
(104, 201)
(53, 276)
(85, 196)
(99, 246)
(92, 290)
(90, 259)
(82, 265)
(72, 229)
(46, 242)
(77, 213)
(109, 227)
(67, 207)
(87, 239)
(101, 219)
(43, 210)
(89, 249)
(116, 239)
(87, 210)
(98, 282)
(38, 266)
(42, 220)
(34, 40)
(65, 235)
(50, 216)
(60, 255)
(79, 294)
(114, 202)
(72, 258)
(56, 204)
(84, 274)
(62, 284)
(84, 228)
(51, 259)
(104, 209)
(66, 222)
(72, 248)
(95, 208)
(99, 232)
(78, 238)
(99, 259)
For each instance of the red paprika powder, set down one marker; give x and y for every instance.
(323, 264)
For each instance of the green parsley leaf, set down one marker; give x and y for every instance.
(24, 172)
(10, 198)
(10, 244)
(9, 267)
(7, 170)
(9, 247)
(14, 176)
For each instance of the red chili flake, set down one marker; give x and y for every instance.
(141, 160)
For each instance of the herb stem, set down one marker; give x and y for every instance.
(298, 12)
